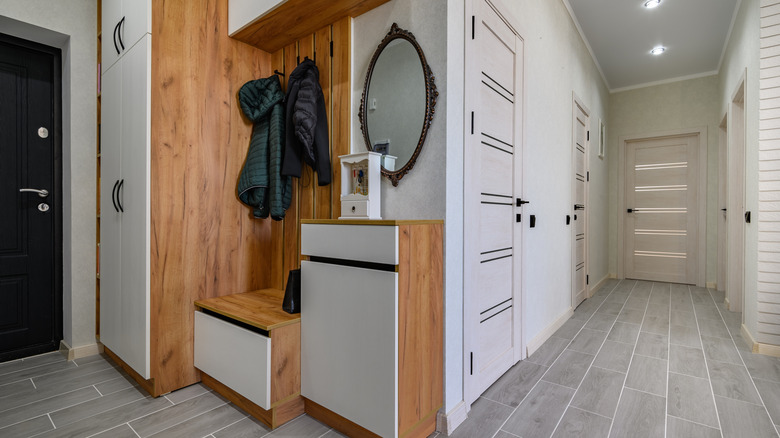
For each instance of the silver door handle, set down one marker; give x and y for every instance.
(42, 192)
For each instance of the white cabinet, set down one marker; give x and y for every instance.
(243, 12)
(125, 22)
(371, 325)
(125, 198)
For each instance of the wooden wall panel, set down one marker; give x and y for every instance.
(204, 242)
(322, 195)
(341, 93)
(278, 274)
(291, 256)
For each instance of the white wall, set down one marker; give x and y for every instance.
(742, 54)
(684, 104)
(71, 26)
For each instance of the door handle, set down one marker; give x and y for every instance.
(115, 46)
(121, 183)
(579, 207)
(630, 210)
(520, 202)
(113, 196)
(41, 192)
(121, 22)
(722, 209)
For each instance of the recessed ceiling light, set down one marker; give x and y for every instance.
(650, 4)
(658, 50)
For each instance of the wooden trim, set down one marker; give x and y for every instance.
(370, 222)
(285, 362)
(424, 427)
(261, 308)
(336, 421)
(274, 418)
(341, 93)
(323, 195)
(294, 19)
(148, 385)
(420, 327)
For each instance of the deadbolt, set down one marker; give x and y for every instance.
(43, 132)
(44, 207)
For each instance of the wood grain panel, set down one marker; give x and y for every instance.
(295, 19)
(291, 255)
(341, 88)
(285, 362)
(323, 194)
(420, 328)
(260, 308)
(278, 274)
(204, 242)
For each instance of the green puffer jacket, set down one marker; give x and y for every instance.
(261, 185)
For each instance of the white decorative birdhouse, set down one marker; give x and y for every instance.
(360, 186)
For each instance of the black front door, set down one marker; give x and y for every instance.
(30, 199)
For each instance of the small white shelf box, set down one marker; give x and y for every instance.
(360, 186)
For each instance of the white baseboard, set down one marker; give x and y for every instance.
(727, 303)
(447, 423)
(758, 347)
(598, 285)
(71, 353)
(712, 285)
(548, 331)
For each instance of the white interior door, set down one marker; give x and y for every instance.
(493, 179)
(722, 279)
(736, 202)
(661, 199)
(580, 143)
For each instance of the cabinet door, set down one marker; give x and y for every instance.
(349, 343)
(110, 48)
(110, 217)
(134, 196)
(138, 21)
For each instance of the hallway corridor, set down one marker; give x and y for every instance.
(638, 359)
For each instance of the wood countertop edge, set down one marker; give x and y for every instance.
(265, 327)
(371, 221)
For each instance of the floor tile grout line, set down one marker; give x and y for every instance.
(183, 421)
(553, 363)
(51, 421)
(133, 429)
(47, 413)
(607, 369)
(630, 361)
(33, 383)
(237, 421)
(47, 398)
(742, 359)
(590, 412)
(98, 391)
(706, 364)
(497, 402)
(596, 355)
(691, 421)
(668, 363)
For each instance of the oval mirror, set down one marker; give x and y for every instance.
(398, 102)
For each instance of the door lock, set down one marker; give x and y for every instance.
(44, 207)
(520, 202)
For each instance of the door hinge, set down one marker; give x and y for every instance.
(472, 123)
(473, 21)
(588, 135)
(471, 364)
(587, 279)
(587, 178)
(331, 49)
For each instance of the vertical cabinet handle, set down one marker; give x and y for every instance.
(121, 23)
(115, 32)
(118, 201)
(113, 196)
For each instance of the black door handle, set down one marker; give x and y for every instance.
(121, 22)
(121, 183)
(747, 217)
(722, 209)
(568, 219)
(630, 210)
(518, 217)
(115, 46)
(533, 221)
(579, 207)
(520, 202)
(113, 196)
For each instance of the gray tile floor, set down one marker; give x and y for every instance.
(46, 396)
(639, 359)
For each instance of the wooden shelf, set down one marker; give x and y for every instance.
(295, 19)
(261, 308)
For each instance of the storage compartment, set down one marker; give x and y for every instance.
(238, 358)
(365, 243)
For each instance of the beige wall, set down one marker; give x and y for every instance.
(685, 104)
(71, 26)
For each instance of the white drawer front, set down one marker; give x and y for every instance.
(365, 243)
(357, 209)
(237, 357)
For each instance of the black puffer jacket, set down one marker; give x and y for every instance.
(307, 124)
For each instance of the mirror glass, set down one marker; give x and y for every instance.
(397, 105)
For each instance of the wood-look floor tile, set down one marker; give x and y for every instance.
(577, 423)
(690, 398)
(707, 312)
(549, 351)
(642, 289)
(732, 381)
(637, 303)
(625, 286)
(653, 345)
(335, 434)
(73, 374)
(687, 360)
(763, 367)
(538, 415)
(30, 362)
(89, 359)
(301, 426)
(211, 421)
(770, 394)
(617, 298)
(599, 392)
(179, 413)
(623, 332)
(569, 329)
(28, 428)
(610, 308)
(187, 393)
(682, 318)
(614, 356)
(114, 385)
(656, 324)
(485, 417)
(569, 369)
(740, 419)
(722, 350)
(42, 407)
(714, 328)
(40, 370)
(499, 434)
(246, 428)
(511, 388)
(639, 415)
(72, 414)
(632, 316)
(679, 428)
(123, 431)
(661, 310)
(647, 374)
(14, 389)
(685, 336)
(601, 322)
(588, 341)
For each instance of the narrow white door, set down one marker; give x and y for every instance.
(722, 279)
(493, 206)
(661, 199)
(736, 204)
(580, 143)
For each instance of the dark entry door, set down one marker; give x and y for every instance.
(30, 199)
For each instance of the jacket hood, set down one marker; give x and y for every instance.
(304, 68)
(258, 97)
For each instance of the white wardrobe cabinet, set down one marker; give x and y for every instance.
(124, 23)
(124, 199)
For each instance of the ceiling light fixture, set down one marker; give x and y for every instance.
(658, 50)
(650, 4)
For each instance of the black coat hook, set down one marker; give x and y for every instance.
(277, 72)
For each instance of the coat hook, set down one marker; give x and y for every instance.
(277, 72)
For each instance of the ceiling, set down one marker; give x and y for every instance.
(621, 33)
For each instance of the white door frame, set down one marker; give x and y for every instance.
(469, 279)
(721, 279)
(701, 196)
(736, 197)
(577, 102)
